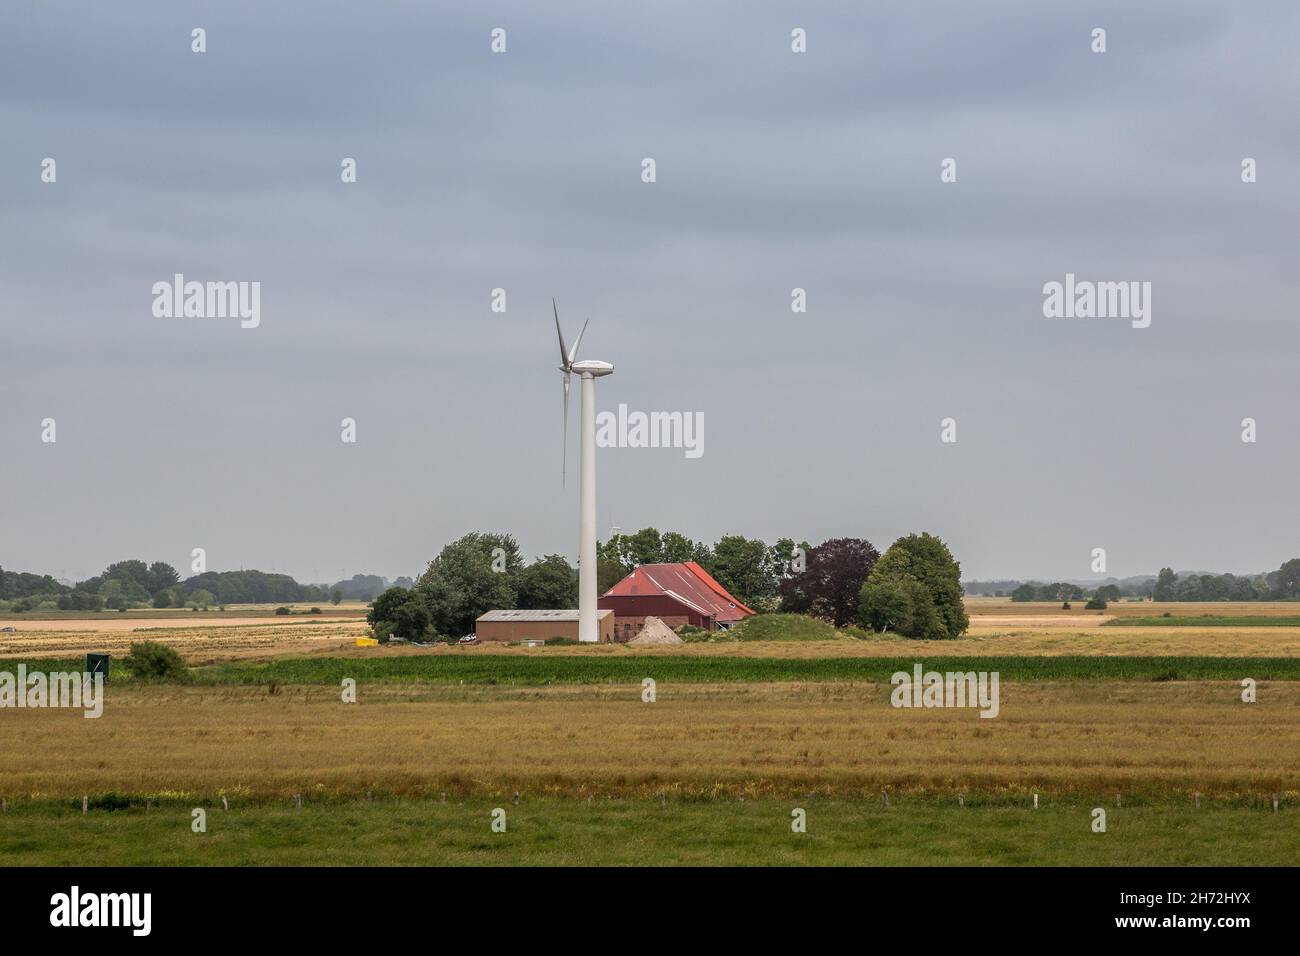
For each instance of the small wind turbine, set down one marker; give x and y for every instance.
(588, 371)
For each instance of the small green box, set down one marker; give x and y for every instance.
(97, 664)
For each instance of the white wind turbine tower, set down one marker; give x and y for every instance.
(588, 371)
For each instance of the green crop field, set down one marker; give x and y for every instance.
(626, 669)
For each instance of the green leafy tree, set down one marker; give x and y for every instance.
(548, 582)
(1166, 585)
(399, 612)
(1025, 592)
(412, 620)
(922, 567)
(745, 567)
(384, 607)
(472, 575)
(676, 548)
(608, 573)
(899, 601)
(160, 577)
(1287, 586)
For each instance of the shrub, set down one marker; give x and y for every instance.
(1095, 604)
(150, 660)
(782, 627)
(554, 641)
(693, 635)
(282, 611)
(315, 610)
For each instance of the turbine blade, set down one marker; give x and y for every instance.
(573, 353)
(564, 355)
(564, 467)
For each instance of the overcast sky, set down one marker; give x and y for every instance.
(775, 170)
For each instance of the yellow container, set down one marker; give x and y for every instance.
(367, 642)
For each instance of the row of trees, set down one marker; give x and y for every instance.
(133, 583)
(1280, 585)
(1056, 591)
(914, 589)
(749, 568)
(479, 572)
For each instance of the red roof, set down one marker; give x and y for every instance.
(688, 583)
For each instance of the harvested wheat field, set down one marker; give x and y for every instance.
(998, 628)
(214, 640)
(263, 742)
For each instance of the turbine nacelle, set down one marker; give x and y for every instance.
(593, 367)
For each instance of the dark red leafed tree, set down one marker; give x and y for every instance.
(829, 585)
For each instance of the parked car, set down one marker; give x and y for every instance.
(468, 639)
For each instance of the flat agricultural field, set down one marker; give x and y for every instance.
(1146, 739)
(1093, 712)
(229, 639)
(998, 628)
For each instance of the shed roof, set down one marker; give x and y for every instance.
(540, 615)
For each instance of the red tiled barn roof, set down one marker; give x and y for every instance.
(688, 583)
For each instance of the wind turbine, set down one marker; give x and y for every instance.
(588, 371)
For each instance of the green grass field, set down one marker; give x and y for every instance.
(638, 832)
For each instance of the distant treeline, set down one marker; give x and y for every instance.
(128, 584)
(1280, 585)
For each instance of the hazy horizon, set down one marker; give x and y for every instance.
(522, 171)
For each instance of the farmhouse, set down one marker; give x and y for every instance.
(538, 625)
(677, 594)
